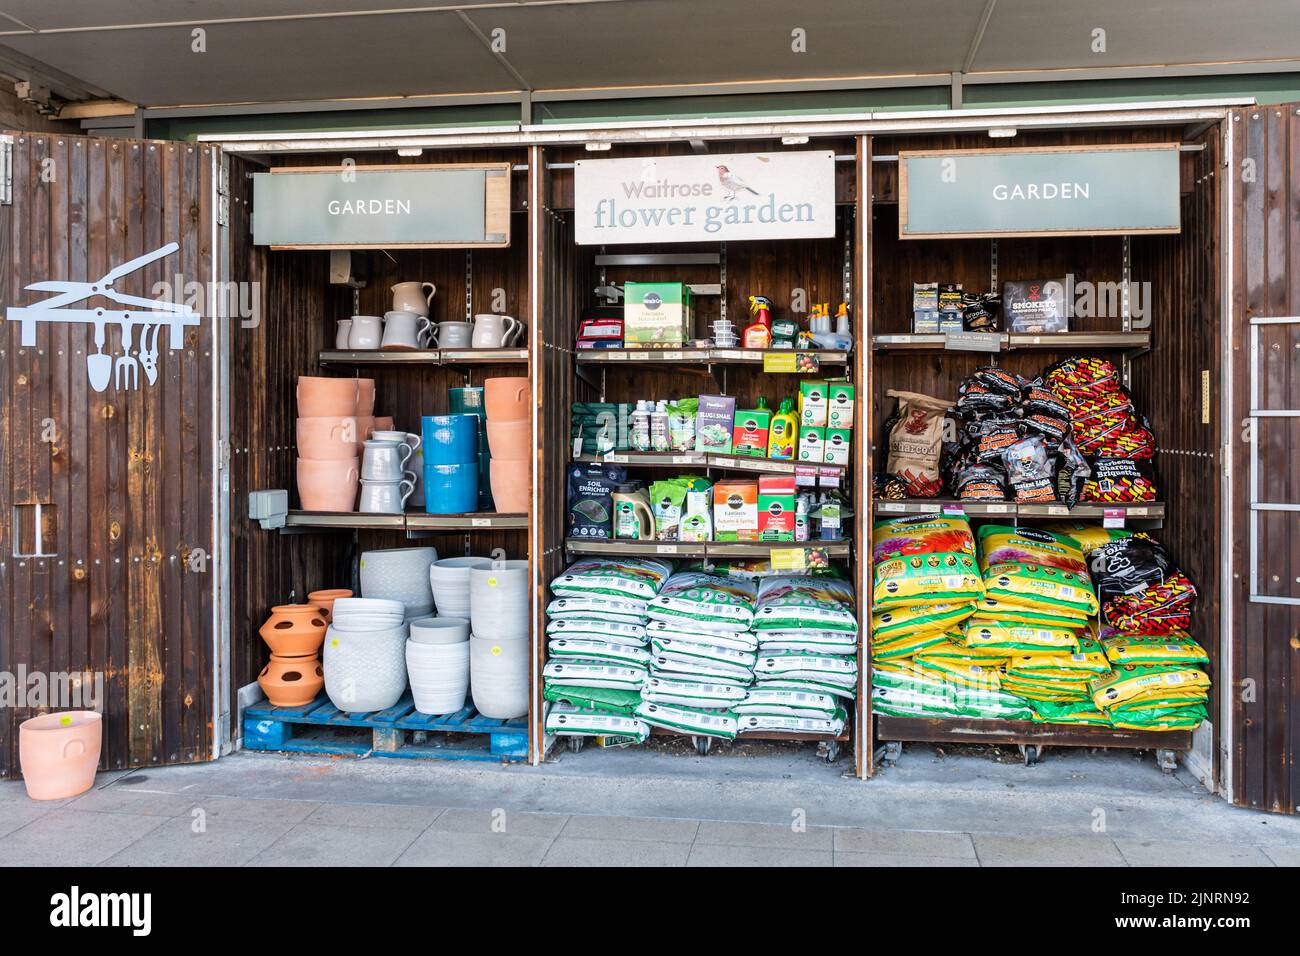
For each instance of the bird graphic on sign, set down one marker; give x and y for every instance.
(733, 183)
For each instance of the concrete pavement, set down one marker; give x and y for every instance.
(752, 806)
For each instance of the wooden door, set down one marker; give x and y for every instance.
(113, 601)
(1263, 169)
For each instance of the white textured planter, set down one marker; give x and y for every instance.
(439, 675)
(365, 670)
(440, 630)
(499, 676)
(400, 574)
(498, 601)
(449, 580)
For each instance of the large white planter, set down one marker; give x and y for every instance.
(365, 670)
(498, 601)
(449, 579)
(400, 574)
(439, 675)
(498, 671)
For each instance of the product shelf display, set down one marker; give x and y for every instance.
(410, 431)
(712, 417)
(1033, 477)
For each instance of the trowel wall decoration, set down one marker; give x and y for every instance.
(150, 315)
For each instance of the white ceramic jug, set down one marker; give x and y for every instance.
(493, 331)
(401, 330)
(410, 297)
(366, 333)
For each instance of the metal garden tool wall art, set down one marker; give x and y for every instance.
(150, 315)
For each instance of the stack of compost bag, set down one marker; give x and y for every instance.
(1113, 438)
(926, 584)
(1146, 611)
(598, 656)
(702, 653)
(807, 635)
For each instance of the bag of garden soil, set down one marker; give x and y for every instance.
(917, 619)
(1170, 649)
(903, 646)
(1080, 712)
(614, 632)
(842, 671)
(637, 578)
(611, 700)
(684, 630)
(703, 695)
(789, 703)
(576, 722)
(820, 603)
(924, 559)
(814, 642)
(600, 652)
(576, 673)
(688, 667)
(692, 650)
(1031, 566)
(688, 720)
(711, 601)
(595, 607)
(910, 702)
(832, 726)
(1151, 683)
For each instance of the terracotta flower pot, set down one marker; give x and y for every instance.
(384, 423)
(291, 681)
(328, 485)
(365, 396)
(325, 600)
(365, 428)
(327, 439)
(511, 484)
(510, 440)
(320, 397)
(506, 399)
(294, 630)
(59, 752)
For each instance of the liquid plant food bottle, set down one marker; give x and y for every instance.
(633, 517)
(783, 433)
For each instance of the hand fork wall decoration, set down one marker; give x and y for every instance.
(101, 368)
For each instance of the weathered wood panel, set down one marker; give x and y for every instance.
(1264, 183)
(128, 471)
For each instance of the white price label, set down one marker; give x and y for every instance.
(480, 522)
(672, 356)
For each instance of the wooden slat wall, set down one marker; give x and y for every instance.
(128, 471)
(1183, 271)
(1265, 202)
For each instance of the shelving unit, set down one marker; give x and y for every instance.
(1009, 509)
(766, 466)
(1133, 343)
(839, 548)
(410, 521)
(366, 357)
(702, 356)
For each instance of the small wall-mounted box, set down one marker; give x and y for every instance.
(269, 506)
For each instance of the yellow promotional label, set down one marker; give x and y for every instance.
(496, 651)
(788, 559)
(492, 582)
(781, 362)
(65, 721)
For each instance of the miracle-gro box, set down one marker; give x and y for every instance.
(656, 315)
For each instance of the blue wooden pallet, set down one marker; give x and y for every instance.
(321, 728)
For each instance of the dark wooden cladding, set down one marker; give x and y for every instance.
(1265, 243)
(1184, 309)
(129, 472)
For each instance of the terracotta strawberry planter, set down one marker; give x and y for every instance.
(320, 397)
(291, 681)
(325, 600)
(59, 752)
(328, 485)
(295, 630)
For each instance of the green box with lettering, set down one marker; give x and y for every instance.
(656, 315)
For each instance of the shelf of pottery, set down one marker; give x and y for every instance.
(426, 636)
(469, 468)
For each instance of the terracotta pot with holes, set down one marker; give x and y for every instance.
(325, 600)
(294, 630)
(291, 681)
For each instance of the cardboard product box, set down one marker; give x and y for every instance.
(1035, 305)
(950, 307)
(656, 314)
(838, 442)
(813, 406)
(840, 396)
(750, 431)
(925, 307)
(735, 511)
(812, 445)
(776, 508)
(714, 421)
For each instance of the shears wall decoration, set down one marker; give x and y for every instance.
(150, 315)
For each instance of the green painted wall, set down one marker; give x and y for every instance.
(1264, 87)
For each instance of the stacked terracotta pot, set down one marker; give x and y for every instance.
(510, 437)
(294, 632)
(335, 417)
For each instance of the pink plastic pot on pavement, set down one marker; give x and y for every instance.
(59, 752)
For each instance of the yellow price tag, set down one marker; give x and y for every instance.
(66, 721)
(788, 559)
(496, 651)
(492, 582)
(334, 642)
(784, 361)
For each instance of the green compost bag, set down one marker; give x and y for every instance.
(777, 702)
(577, 722)
(831, 725)
(689, 693)
(680, 650)
(826, 669)
(814, 642)
(810, 686)
(910, 702)
(597, 607)
(611, 700)
(1069, 712)
(1158, 718)
(603, 652)
(688, 720)
(594, 675)
(638, 579)
(685, 631)
(711, 601)
(612, 632)
(990, 704)
(691, 667)
(791, 602)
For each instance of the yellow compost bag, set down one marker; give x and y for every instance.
(918, 618)
(1043, 690)
(1081, 712)
(1085, 663)
(1031, 566)
(1176, 648)
(1003, 610)
(1149, 682)
(978, 632)
(952, 650)
(924, 559)
(1087, 534)
(976, 676)
(1182, 721)
(905, 645)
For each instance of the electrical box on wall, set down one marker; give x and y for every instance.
(349, 268)
(269, 506)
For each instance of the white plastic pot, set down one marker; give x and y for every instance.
(365, 670)
(449, 580)
(498, 600)
(440, 630)
(400, 574)
(499, 676)
(439, 675)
